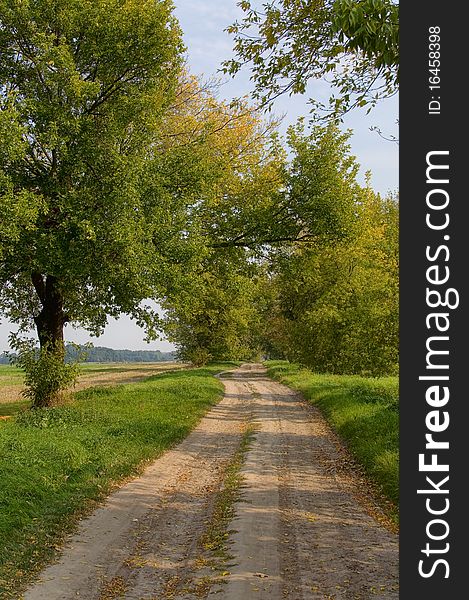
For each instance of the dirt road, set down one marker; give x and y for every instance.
(298, 530)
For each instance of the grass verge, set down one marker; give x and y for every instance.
(12, 408)
(215, 537)
(10, 375)
(363, 411)
(90, 374)
(211, 564)
(57, 463)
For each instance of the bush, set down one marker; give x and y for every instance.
(199, 356)
(46, 374)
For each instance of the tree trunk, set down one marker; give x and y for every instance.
(50, 321)
(50, 324)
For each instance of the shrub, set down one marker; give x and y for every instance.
(46, 374)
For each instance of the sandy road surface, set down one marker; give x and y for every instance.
(298, 533)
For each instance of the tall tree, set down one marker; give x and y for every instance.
(238, 178)
(336, 304)
(86, 84)
(220, 319)
(18, 211)
(352, 43)
(261, 207)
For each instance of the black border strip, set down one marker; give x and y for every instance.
(440, 128)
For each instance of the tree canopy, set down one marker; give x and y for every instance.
(85, 85)
(326, 297)
(123, 178)
(334, 306)
(88, 90)
(354, 44)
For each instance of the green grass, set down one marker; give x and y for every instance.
(12, 408)
(56, 463)
(120, 367)
(365, 413)
(10, 375)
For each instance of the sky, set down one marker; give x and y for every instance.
(203, 23)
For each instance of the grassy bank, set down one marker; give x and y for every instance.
(55, 464)
(365, 413)
(10, 375)
(91, 374)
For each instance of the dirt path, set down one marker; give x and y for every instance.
(298, 530)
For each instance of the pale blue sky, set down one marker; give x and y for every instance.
(203, 23)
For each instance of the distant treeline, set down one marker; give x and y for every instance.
(107, 355)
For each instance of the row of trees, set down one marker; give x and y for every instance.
(101, 354)
(327, 298)
(123, 179)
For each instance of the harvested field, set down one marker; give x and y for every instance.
(94, 374)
